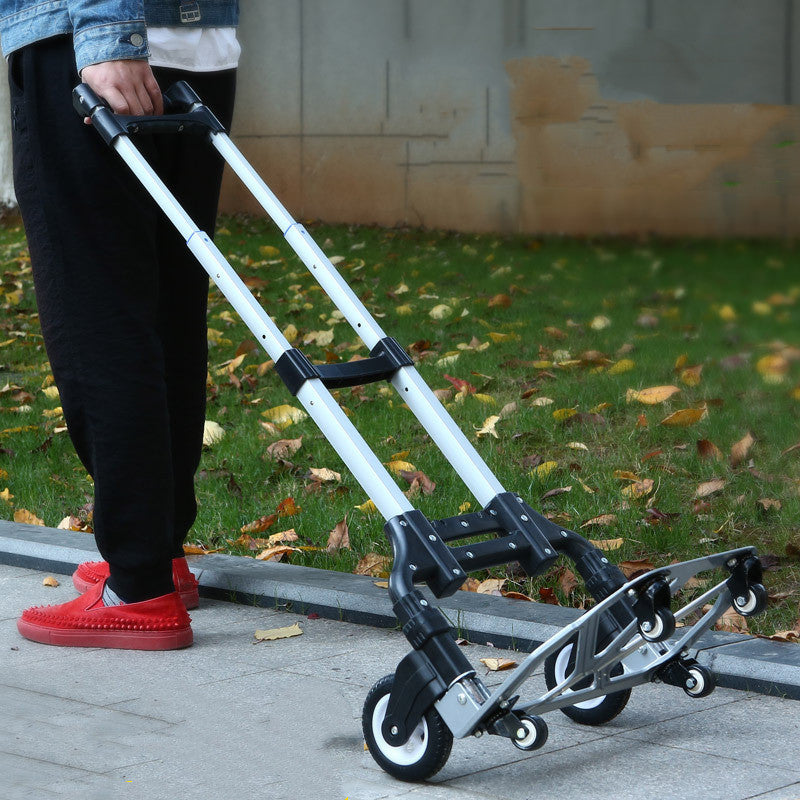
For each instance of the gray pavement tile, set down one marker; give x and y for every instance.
(790, 792)
(765, 730)
(610, 768)
(23, 778)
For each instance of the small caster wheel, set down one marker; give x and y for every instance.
(662, 628)
(597, 711)
(426, 750)
(754, 602)
(532, 734)
(701, 680)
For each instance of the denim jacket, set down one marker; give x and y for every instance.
(105, 30)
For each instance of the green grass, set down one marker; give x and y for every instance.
(529, 319)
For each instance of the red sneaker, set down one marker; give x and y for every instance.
(90, 573)
(158, 624)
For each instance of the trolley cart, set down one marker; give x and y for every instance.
(411, 716)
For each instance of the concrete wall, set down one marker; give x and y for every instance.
(553, 116)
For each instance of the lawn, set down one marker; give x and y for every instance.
(646, 394)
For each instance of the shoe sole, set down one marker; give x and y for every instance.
(122, 640)
(190, 597)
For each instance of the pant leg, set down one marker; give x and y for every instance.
(94, 250)
(193, 171)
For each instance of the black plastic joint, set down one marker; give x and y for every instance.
(393, 352)
(295, 369)
(420, 621)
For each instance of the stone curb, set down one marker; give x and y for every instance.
(740, 662)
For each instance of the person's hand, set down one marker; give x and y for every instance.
(128, 86)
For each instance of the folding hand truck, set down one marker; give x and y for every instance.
(410, 717)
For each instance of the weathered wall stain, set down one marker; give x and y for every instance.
(581, 164)
(587, 165)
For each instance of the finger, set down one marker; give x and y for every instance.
(117, 101)
(154, 90)
(145, 101)
(133, 101)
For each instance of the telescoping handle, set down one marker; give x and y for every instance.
(185, 113)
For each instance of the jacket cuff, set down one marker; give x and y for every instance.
(111, 41)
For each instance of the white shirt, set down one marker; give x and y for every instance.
(194, 49)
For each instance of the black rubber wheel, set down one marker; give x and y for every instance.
(535, 733)
(704, 681)
(754, 603)
(426, 750)
(663, 628)
(597, 711)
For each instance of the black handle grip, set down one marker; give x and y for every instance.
(185, 114)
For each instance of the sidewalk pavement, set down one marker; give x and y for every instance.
(227, 718)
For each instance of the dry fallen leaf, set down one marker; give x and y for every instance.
(275, 553)
(631, 569)
(212, 432)
(639, 488)
(284, 448)
(498, 664)
(373, 564)
(568, 581)
(706, 449)
(488, 427)
(26, 517)
(50, 581)
(602, 520)
(710, 487)
(491, 586)
(325, 475)
(288, 508)
(651, 396)
(732, 622)
(259, 525)
(284, 415)
(607, 544)
(339, 537)
(685, 417)
(741, 448)
(279, 633)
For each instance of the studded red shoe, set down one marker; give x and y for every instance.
(91, 573)
(158, 624)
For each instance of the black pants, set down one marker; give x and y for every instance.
(122, 305)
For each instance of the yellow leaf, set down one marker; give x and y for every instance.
(651, 396)
(269, 251)
(541, 401)
(447, 361)
(51, 392)
(290, 332)
(279, 633)
(625, 475)
(623, 365)
(685, 417)
(404, 310)
(691, 375)
(761, 308)
(503, 337)
(486, 399)
(772, 368)
(727, 313)
(564, 413)
(488, 428)
(639, 489)
(440, 312)
(321, 338)
(681, 361)
(543, 470)
(284, 415)
(396, 467)
(212, 432)
(53, 413)
(26, 517)
(498, 664)
(607, 544)
(577, 446)
(599, 323)
(50, 581)
(6, 495)
(368, 507)
(464, 507)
